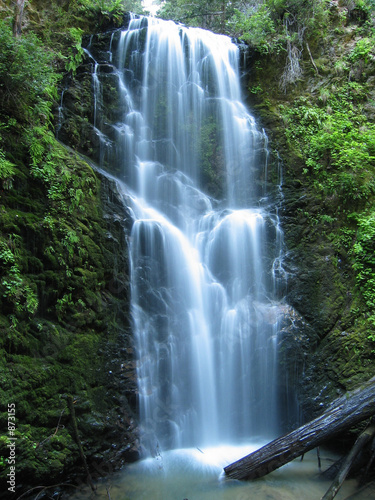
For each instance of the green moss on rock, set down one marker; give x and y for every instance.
(327, 197)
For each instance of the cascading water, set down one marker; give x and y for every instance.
(207, 273)
(203, 271)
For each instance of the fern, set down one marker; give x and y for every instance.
(7, 170)
(77, 53)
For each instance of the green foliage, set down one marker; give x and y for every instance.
(50, 164)
(256, 27)
(27, 78)
(28, 91)
(111, 6)
(63, 305)
(255, 89)
(330, 135)
(364, 7)
(70, 241)
(206, 14)
(336, 141)
(306, 13)
(364, 260)
(15, 287)
(56, 263)
(19, 293)
(7, 170)
(363, 49)
(110, 9)
(77, 53)
(107, 6)
(270, 25)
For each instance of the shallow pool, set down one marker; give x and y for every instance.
(197, 474)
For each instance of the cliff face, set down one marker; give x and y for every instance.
(64, 288)
(320, 125)
(78, 341)
(65, 321)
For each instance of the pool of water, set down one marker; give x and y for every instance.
(197, 474)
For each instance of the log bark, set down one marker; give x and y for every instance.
(362, 440)
(345, 412)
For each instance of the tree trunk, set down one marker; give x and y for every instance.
(343, 413)
(345, 467)
(18, 14)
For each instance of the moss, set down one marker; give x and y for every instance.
(58, 362)
(324, 211)
(55, 247)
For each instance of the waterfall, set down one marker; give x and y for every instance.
(205, 243)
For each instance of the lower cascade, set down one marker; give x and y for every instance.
(205, 245)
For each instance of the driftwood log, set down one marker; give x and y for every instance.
(362, 440)
(344, 413)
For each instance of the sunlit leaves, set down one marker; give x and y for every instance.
(364, 254)
(256, 27)
(14, 286)
(337, 141)
(76, 52)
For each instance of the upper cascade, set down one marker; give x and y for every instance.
(179, 89)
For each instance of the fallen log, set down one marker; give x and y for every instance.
(362, 440)
(344, 413)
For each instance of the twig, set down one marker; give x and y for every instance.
(56, 430)
(312, 60)
(58, 423)
(109, 496)
(76, 435)
(319, 461)
(345, 467)
(43, 488)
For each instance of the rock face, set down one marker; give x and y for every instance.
(320, 278)
(78, 343)
(318, 289)
(318, 213)
(315, 284)
(65, 311)
(86, 114)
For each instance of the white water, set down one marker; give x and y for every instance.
(206, 303)
(205, 298)
(191, 474)
(202, 273)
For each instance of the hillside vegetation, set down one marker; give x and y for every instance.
(64, 320)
